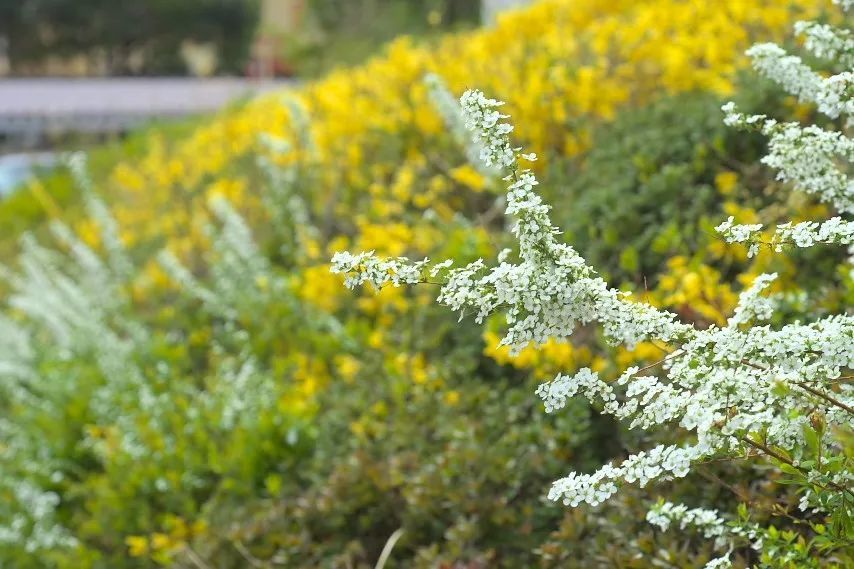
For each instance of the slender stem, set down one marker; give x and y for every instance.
(251, 559)
(717, 480)
(652, 365)
(770, 452)
(808, 388)
(776, 455)
(194, 557)
(825, 396)
(389, 545)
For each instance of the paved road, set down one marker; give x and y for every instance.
(32, 106)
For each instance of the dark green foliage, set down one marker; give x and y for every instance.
(38, 28)
(464, 482)
(642, 192)
(336, 15)
(349, 31)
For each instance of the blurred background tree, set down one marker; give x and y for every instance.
(161, 37)
(344, 32)
(126, 38)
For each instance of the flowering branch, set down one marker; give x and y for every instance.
(722, 384)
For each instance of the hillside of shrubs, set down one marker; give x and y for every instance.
(186, 384)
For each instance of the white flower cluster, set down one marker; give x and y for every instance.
(61, 307)
(484, 122)
(741, 233)
(660, 462)
(550, 291)
(68, 330)
(708, 522)
(300, 122)
(827, 42)
(16, 351)
(236, 264)
(804, 156)
(809, 233)
(721, 382)
(804, 234)
(97, 210)
(288, 210)
(745, 386)
(188, 282)
(719, 563)
(66, 300)
(831, 94)
(236, 237)
(449, 108)
(647, 401)
(752, 306)
(738, 233)
(39, 531)
(557, 392)
(366, 268)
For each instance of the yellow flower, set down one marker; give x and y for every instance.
(599, 364)
(622, 52)
(725, 182)
(469, 177)
(691, 284)
(318, 286)
(340, 243)
(375, 340)
(379, 409)
(137, 545)
(347, 366)
(452, 397)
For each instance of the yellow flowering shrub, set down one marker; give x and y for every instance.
(349, 384)
(555, 63)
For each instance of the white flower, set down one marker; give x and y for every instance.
(751, 306)
(449, 107)
(722, 384)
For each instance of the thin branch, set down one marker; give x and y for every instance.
(776, 455)
(808, 388)
(195, 558)
(717, 480)
(825, 396)
(389, 545)
(251, 559)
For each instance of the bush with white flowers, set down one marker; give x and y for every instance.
(746, 389)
